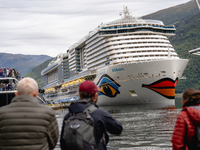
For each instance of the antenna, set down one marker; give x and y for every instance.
(125, 12)
(198, 4)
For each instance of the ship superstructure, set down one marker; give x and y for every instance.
(130, 59)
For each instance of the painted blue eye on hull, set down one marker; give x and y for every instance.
(108, 86)
(109, 82)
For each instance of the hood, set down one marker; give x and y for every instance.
(80, 105)
(194, 112)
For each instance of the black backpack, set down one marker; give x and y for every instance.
(79, 131)
(196, 145)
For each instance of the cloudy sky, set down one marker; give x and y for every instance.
(50, 27)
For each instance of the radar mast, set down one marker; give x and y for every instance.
(126, 12)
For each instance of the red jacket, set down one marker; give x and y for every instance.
(185, 129)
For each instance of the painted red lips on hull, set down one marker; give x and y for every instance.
(164, 87)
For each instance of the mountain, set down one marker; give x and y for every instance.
(22, 63)
(36, 72)
(174, 14)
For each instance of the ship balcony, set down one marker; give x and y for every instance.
(96, 50)
(98, 58)
(74, 58)
(65, 67)
(65, 61)
(135, 41)
(100, 53)
(144, 54)
(149, 50)
(94, 42)
(73, 62)
(93, 64)
(91, 39)
(72, 66)
(96, 45)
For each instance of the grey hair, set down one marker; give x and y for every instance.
(27, 86)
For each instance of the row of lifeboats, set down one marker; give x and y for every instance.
(66, 85)
(76, 81)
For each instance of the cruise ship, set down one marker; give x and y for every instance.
(130, 59)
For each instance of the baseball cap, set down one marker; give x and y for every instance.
(89, 87)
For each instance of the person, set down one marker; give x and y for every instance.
(7, 72)
(25, 124)
(1, 72)
(184, 136)
(13, 86)
(9, 86)
(4, 87)
(103, 121)
(4, 71)
(1, 86)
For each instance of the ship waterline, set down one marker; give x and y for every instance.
(130, 59)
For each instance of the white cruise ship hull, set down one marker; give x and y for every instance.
(133, 78)
(151, 82)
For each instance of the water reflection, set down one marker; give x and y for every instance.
(145, 127)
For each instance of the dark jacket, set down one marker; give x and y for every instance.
(185, 128)
(103, 122)
(25, 124)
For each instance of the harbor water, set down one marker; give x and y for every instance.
(144, 126)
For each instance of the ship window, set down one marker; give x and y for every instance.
(133, 93)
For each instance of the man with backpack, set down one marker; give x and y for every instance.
(85, 126)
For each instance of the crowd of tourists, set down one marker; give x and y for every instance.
(8, 72)
(7, 87)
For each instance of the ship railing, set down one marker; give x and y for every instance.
(122, 61)
(119, 26)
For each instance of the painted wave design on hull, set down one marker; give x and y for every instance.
(109, 87)
(164, 87)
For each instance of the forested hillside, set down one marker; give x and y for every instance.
(36, 72)
(188, 37)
